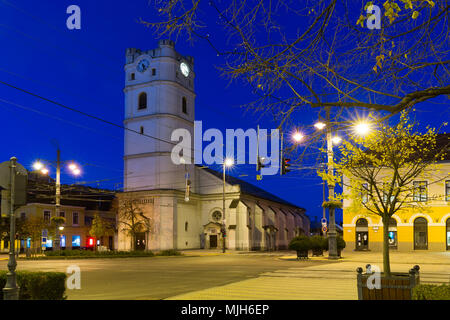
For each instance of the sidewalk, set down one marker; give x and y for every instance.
(335, 280)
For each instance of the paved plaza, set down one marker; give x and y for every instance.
(212, 275)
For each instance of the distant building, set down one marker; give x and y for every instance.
(79, 205)
(159, 98)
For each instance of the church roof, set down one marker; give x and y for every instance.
(250, 189)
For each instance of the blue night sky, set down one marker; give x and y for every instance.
(84, 69)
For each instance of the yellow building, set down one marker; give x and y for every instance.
(423, 226)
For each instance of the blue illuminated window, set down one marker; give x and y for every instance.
(76, 241)
(49, 243)
(63, 241)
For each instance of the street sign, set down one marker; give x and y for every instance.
(20, 190)
(324, 229)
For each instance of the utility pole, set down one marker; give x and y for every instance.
(332, 241)
(223, 208)
(58, 196)
(11, 290)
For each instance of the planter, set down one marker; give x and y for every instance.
(317, 252)
(302, 254)
(398, 286)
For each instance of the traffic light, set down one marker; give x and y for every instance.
(285, 165)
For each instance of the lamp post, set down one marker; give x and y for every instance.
(11, 290)
(38, 165)
(228, 162)
(361, 128)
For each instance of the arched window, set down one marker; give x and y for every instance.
(447, 233)
(362, 234)
(420, 234)
(142, 101)
(184, 105)
(186, 226)
(392, 228)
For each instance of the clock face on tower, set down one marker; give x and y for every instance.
(143, 65)
(184, 69)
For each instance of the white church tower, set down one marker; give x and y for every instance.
(159, 98)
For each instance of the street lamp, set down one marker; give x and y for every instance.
(362, 128)
(319, 125)
(297, 136)
(228, 162)
(336, 140)
(38, 165)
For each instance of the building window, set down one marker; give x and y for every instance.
(132, 76)
(62, 214)
(23, 215)
(75, 218)
(186, 226)
(47, 216)
(217, 215)
(184, 105)
(141, 130)
(76, 241)
(142, 101)
(153, 72)
(447, 190)
(88, 221)
(365, 193)
(420, 234)
(447, 233)
(420, 191)
(392, 229)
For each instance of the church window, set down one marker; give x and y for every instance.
(142, 101)
(142, 130)
(184, 105)
(132, 76)
(153, 72)
(217, 215)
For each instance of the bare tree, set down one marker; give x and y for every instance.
(318, 53)
(131, 219)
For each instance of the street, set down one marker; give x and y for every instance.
(157, 277)
(211, 275)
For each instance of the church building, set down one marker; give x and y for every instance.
(159, 98)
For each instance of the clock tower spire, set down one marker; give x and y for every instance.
(159, 98)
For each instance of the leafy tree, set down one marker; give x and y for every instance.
(101, 227)
(32, 228)
(131, 219)
(379, 170)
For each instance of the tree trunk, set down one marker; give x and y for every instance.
(386, 260)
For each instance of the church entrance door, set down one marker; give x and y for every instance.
(140, 241)
(213, 241)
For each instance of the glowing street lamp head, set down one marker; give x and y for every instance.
(38, 165)
(44, 171)
(228, 162)
(76, 172)
(319, 125)
(73, 166)
(336, 140)
(297, 137)
(362, 128)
